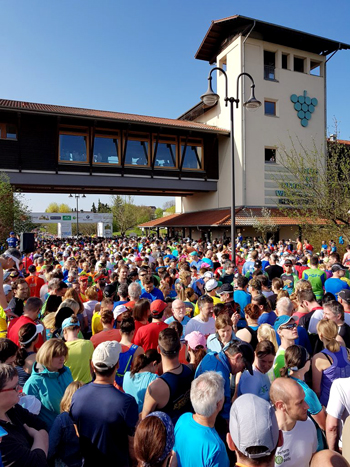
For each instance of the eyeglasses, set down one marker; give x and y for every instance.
(17, 388)
(289, 326)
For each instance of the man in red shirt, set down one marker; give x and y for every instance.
(30, 315)
(34, 282)
(147, 336)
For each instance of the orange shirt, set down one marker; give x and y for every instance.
(35, 283)
(103, 336)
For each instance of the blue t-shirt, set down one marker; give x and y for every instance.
(156, 294)
(268, 318)
(242, 298)
(12, 242)
(207, 449)
(335, 285)
(183, 322)
(137, 385)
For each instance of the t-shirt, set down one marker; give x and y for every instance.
(96, 325)
(278, 363)
(335, 285)
(137, 385)
(289, 281)
(317, 279)
(35, 283)
(14, 327)
(339, 399)
(104, 336)
(268, 318)
(258, 384)
(216, 300)
(242, 298)
(274, 271)
(155, 294)
(299, 445)
(147, 336)
(183, 322)
(79, 355)
(105, 417)
(208, 450)
(197, 324)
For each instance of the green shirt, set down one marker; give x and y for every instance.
(317, 278)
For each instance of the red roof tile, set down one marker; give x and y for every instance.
(107, 115)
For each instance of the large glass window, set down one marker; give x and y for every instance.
(192, 153)
(166, 152)
(137, 150)
(73, 147)
(106, 149)
(269, 65)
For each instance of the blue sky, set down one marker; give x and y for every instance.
(138, 57)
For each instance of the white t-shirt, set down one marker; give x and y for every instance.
(258, 384)
(299, 444)
(317, 316)
(339, 402)
(196, 324)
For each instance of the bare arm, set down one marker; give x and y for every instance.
(332, 433)
(320, 419)
(319, 363)
(156, 397)
(244, 335)
(40, 439)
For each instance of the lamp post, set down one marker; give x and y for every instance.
(210, 98)
(77, 199)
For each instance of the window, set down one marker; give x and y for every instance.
(270, 108)
(106, 149)
(299, 64)
(270, 155)
(192, 153)
(166, 151)
(269, 65)
(315, 68)
(137, 149)
(285, 61)
(8, 131)
(73, 146)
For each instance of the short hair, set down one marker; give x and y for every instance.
(255, 283)
(254, 255)
(203, 300)
(91, 293)
(127, 325)
(123, 290)
(33, 304)
(49, 350)
(307, 295)
(265, 348)
(106, 302)
(169, 343)
(7, 372)
(285, 305)
(7, 349)
(206, 391)
(134, 291)
(106, 316)
(252, 310)
(314, 260)
(336, 308)
(242, 281)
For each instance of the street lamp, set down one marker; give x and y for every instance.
(77, 198)
(210, 98)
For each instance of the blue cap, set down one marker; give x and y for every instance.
(12, 233)
(281, 320)
(68, 322)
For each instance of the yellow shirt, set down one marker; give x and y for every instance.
(216, 301)
(3, 324)
(96, 325)
(79, 355)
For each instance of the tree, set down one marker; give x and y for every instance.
(169, 204)
(315, 188)
(103, 207)
(124, 212)
(55, 207)
(158, 213)
(264, 224)
(93, 208)
(14, 212)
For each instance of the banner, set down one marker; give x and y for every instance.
(83, 217)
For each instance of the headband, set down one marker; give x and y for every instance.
(170, 438)
(16, 260)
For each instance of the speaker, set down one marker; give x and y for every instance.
(27, 242)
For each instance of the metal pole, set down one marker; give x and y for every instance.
(77, 198)
(233, 197)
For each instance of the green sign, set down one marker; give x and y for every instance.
(66, 218)
(304, 106)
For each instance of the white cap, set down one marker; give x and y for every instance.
(118, 310)
(106, 355)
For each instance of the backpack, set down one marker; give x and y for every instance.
(125, 360)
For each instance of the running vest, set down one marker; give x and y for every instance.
(340, 368)
(179, 386)
(125, 360)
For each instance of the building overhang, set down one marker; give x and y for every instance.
(222, 32)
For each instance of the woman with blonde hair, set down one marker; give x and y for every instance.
(49, 379)
(267, 333)
(63, 440)
(329, 364)
(72, 294)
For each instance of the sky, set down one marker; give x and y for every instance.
(138, 56)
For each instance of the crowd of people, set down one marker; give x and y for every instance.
(157, 352)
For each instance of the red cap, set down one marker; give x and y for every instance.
(157, 307)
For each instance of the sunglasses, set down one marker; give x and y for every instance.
(17, 388)
(289, 326)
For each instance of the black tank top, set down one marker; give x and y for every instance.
(179, 386)
(254, 340)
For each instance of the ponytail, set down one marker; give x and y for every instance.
(21, 356)
(144, 360)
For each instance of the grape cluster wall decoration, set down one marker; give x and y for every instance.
(305, 107)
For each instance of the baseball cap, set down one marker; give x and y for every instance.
(208, 274)
(106, 355)
(282, 320)
(157, 307)
(247, 352)
(288, 262)
(39, 329)
(257, 263)
(225, 288)
(345, 295)
(108, 291)
(253, 423)
(210, 285)
(118, 310)
(195, 338)
(12, 233)
(338, 267)
(193, 253)
(68, 322)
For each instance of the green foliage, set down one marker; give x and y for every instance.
(169, 205)
(14, 213)
(93, 208)
(264, 224)
(103, 207)
(315, 187)
(127, 215)
(158, 213)
(171, 209)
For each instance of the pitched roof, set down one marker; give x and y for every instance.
(6, 104)
(223, 30)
